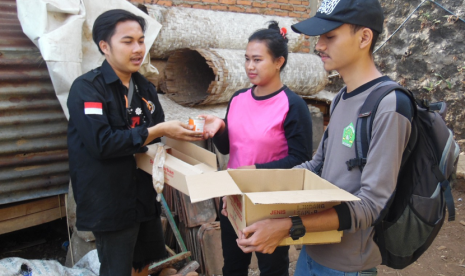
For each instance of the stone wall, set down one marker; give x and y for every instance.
(427, 55)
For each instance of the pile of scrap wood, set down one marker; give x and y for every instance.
(198, 228)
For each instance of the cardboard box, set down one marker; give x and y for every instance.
(254, 195)
(183, 159)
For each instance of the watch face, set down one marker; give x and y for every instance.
(297, 232)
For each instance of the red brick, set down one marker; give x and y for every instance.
(236, 9)
(259, 5)
(244, 2)
(282, 1)
(305, 50)
(270, 12)
(294, 2)
(210, 1)
(165, 3)
(287, 7)
(251, 10)
(229, 2)
(201, 7)
(301, 9)
(219, 8)
(307, 37)
(273, 6)
(293, 14)
(281, 13)
(305, 3)
(307, 43)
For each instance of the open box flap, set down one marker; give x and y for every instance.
(194, 151)
(210, 185)
(302, 196)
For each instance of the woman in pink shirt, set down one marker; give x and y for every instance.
(267, 126)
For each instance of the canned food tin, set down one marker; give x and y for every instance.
(198, 123)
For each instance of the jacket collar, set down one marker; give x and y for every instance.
(110, 76)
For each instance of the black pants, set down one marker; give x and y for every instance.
(133, 247)
(236, 262)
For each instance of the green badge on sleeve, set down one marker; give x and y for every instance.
(348, 136)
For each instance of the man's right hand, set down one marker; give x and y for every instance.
(181, 131)
(175, 130)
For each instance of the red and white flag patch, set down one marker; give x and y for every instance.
(93, 108)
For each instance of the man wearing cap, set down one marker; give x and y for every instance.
(348, 31)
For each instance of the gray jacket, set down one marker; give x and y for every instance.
(391, 132)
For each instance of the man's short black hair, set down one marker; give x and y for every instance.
(105, 24)
(356, 28)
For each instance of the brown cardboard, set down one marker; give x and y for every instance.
(254, 195)
(183, 159)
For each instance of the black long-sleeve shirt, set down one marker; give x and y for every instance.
(110, 192)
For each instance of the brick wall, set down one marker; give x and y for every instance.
(292, 8)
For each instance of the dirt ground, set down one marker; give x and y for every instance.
(445, 257)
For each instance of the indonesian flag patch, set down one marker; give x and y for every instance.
(93, 108)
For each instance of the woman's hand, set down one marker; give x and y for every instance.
(212, 126)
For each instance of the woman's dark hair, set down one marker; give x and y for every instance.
(105, 24)
(276, 43)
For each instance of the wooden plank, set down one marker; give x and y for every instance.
(20, 209)
(31, 220)
(155, 267)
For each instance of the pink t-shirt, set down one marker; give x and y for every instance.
(256, 129)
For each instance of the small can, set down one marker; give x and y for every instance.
(198, 123)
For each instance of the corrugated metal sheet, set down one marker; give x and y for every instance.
(33, 151)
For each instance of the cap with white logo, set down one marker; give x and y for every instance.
(334, 13)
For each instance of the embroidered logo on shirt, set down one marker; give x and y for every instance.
(328, 6)
(151, 107)
(348, 136)
(138, 111)
(93, 108)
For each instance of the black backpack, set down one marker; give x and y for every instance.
(416, 211)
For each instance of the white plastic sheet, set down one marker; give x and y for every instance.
(62, 30)
(89, 265)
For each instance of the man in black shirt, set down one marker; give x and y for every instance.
(114, 112)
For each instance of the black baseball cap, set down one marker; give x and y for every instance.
(334, 13)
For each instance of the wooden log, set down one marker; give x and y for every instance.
(211, 76)
(186, 27)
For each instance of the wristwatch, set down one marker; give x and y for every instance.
(297, 230)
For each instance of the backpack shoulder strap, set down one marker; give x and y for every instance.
(336, 100)
(363, 128)
(319, 167)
